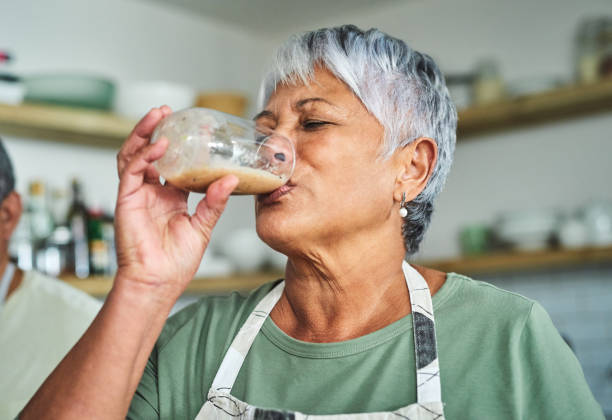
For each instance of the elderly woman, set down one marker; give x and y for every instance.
(350, 332)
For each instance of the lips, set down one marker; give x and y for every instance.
(276, 194)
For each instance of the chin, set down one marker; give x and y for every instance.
(277, 229)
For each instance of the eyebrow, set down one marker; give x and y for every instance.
(298, 104)
(262, 114)
(303, 102)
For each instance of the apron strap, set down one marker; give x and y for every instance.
(425, 347)
(426, 354)
(234, 358)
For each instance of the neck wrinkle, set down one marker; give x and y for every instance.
(346, 286)
(336, 298)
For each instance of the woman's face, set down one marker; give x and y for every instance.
(339, 188)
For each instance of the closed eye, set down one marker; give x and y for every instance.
(311, 125)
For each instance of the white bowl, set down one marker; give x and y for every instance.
(11, 93)
(527, 229)
(598, 220)
(245, 250)
(214, 266)
(573, 233)
(135, 99)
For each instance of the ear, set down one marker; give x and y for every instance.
(415, 164)
(10, 212)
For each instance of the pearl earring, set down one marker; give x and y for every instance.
(403, 211)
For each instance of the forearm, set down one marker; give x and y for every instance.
(99, 376)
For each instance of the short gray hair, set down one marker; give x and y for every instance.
(7, 176)
(401, 87)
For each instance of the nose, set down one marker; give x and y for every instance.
(279, 152)
(287, 131)
(282, 146)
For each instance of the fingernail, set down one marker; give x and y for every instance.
(232, 181)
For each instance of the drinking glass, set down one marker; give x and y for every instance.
(205, 145)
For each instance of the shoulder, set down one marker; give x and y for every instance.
(482, 309)
(61, 295)
(484, 297)
(221, 313)
(501, 343)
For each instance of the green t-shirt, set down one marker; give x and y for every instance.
(500, 358)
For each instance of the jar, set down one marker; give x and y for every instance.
(593, 50)
(205, 145)
(489, 85)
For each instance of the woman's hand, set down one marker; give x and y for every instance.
(159, 245)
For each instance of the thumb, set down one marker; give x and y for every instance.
(209, 209)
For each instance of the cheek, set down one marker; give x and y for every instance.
(345, 166)
(349, 188)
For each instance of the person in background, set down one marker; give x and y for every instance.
(41, 318)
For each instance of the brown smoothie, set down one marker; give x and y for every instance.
(252, 181)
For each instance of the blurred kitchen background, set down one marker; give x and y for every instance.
(528, 204)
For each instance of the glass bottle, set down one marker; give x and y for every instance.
(98, 249)
(41, 223)
(77, 221)
(488, 86)
(21, 245)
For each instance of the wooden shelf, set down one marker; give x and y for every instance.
(520, 261)
(558, 104)
(474, 266)
(104, 129)
(100, 286)
(73, 125)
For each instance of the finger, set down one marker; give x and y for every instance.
(147, 124)
(133, 175)
(209, 209)
(166, 110)
(139, 137)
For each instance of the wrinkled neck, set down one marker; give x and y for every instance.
(339, 291)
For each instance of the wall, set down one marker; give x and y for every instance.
(123, 40)
(563, 165)
(129, 40)
(553, 166)
(558, 167)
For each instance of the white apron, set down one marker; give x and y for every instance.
(220, 405)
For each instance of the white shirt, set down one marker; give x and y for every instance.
(39, 324)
